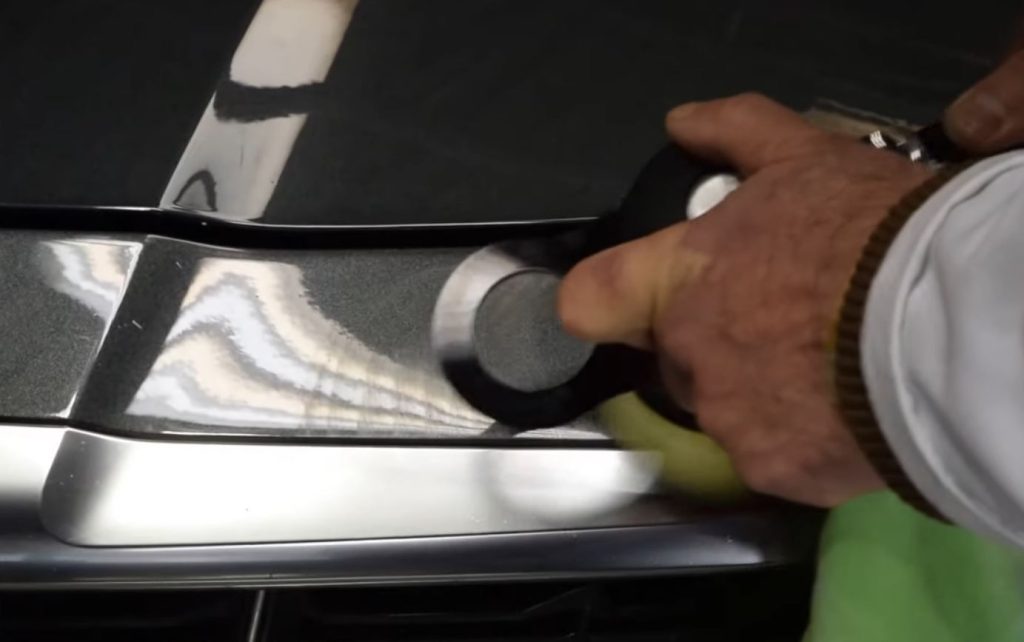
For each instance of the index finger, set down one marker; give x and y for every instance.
(747, 132)
(990, 116)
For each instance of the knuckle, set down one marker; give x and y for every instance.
(577, 299)
(576, 305)
(599, 297)
(753, 98)
(745, 105)
(570, 313)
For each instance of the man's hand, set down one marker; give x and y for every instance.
(740, 304)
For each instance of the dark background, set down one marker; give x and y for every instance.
(455, 110)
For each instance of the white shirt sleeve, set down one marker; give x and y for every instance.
(942, 348)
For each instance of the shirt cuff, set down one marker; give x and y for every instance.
(929, 358)
(851, 388)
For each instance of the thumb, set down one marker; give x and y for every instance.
(989, 117)
(616, 296)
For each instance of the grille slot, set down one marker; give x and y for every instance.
(769, 605)
(766, 605)
(129, 616)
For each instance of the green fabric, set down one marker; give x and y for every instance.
(888, 573)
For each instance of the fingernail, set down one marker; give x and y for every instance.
(682, 111)
(977, 118)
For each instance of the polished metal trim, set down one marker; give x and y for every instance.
(545, 521)
(26, 455)
(730, 542)
(109, 491)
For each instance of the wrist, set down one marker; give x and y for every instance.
(850, 386)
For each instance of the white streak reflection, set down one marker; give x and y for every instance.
(249, 350)
(93, 272)
(289, 43)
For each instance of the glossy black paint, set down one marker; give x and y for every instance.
(453, 110)
(60, 293)
(147, 334)
(523, 109)
(99, 98)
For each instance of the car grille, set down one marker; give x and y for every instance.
(766, 605)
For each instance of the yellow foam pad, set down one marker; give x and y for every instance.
(690, 461)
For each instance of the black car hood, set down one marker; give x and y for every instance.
(171, 315)
(452, 111)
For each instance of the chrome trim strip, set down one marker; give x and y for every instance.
(26, 455)
(736, 542)
(398, 543)
(109, 491)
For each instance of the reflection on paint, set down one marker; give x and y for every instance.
(231, 166)
(249, 350)
(93, 272)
